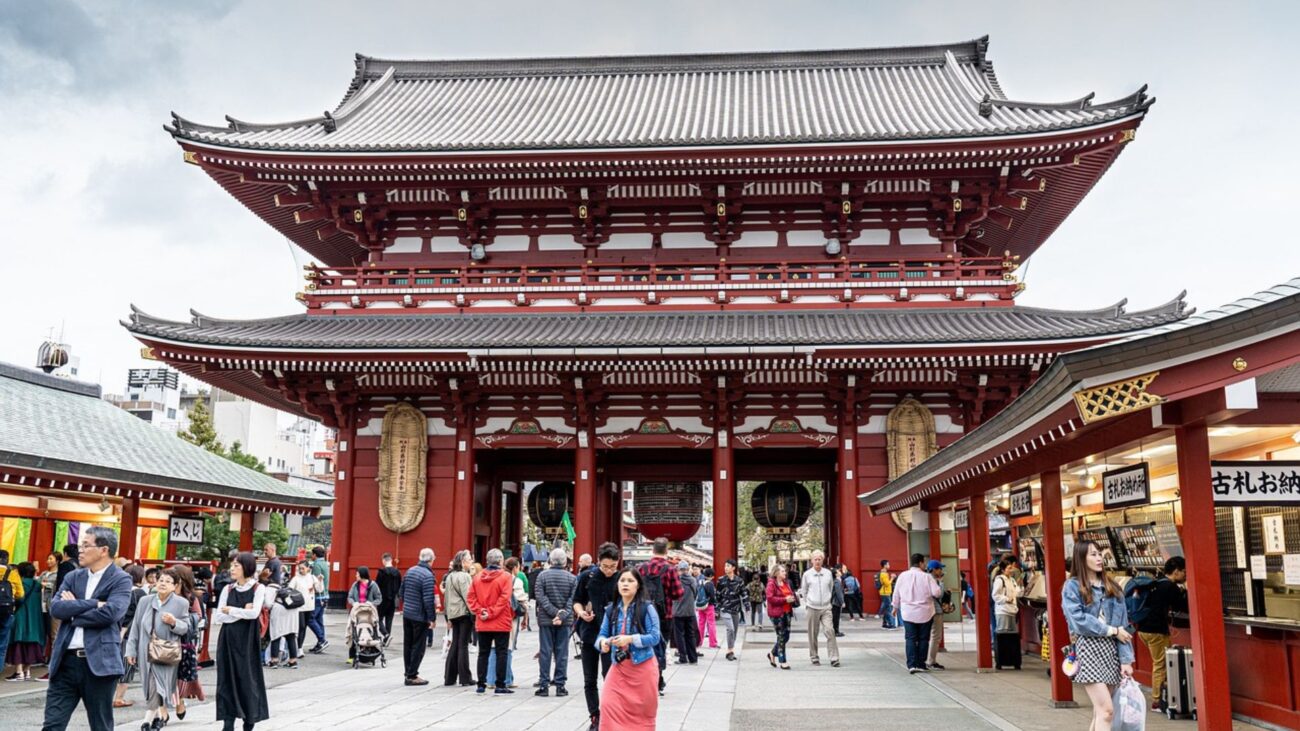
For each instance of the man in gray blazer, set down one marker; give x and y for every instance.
(87, 656)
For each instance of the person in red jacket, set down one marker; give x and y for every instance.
(489, 601)
(780, 608)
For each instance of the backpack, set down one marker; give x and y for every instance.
(6, 595)
(702, 596)
(850, 585)
(654, 589)
(879, 586)
(290, 598)
(1136, 594)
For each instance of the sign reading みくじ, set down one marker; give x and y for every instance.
(184, 530)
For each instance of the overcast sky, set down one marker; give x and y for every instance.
(99, 211)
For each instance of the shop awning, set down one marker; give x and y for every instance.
(1113, 386)
(59, 434)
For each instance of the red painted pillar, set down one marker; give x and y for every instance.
(462, 523)
(42, 541)
(724, 500)
(850, 518)
(246, 531)
(340, 547)
(495, 537)
(1213, 698)
(1054, 554)
(978, 536)
(127, 542)
(584, 495)
(515, 520)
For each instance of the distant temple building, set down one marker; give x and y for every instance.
(698, 268)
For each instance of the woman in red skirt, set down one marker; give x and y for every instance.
(630, 698)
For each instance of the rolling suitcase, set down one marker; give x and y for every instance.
(1007, 650)
(1180, 688)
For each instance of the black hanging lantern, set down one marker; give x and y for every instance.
(547, 504)
(781, 507)
(51, 356)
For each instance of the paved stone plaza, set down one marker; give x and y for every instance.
(871, 690)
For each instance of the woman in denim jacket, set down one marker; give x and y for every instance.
(1098, 625)
(630, 698)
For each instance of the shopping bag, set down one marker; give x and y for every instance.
(446, 642)
(1130, 707)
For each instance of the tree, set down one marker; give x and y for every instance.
(201, 432)
(218, 539)
(757, 547)
(238, 455)
(318, 532)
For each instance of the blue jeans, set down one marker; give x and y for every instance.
(554, 641)
(916, 635)
(510, 666)
(6, 628)
(887, 612)
(316, 620)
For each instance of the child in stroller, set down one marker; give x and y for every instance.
(365, 642)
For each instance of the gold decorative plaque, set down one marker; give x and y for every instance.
(910, 439)
(403, 452)
(1115, 399)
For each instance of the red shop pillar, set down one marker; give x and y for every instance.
(126, 541)
(850, 517)
(246, 531)
(1054, 554)
(584, 495)
(1200, 543)
(42, 539)
(978, 537)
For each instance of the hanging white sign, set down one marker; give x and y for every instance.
(961, 518)
(184, 530)
(1022, 503)
(1255, 483)
(1126, 487)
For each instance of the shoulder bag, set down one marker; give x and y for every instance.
(162, 652)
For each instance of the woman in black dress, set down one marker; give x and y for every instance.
(241, 691)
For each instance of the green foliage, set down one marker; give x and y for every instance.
(201, 432)
(757, 547)
(218, 539)
(238, 455)
(318, 533)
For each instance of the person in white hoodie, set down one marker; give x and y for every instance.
(817, 590)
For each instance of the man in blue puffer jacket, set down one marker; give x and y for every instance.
(419, 614)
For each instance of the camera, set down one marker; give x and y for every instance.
(621, 654)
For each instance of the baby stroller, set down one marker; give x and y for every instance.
(365, 642)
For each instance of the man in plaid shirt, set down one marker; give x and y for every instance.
(657, 571)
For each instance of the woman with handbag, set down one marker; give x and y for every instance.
(162, 620)
(283, 628)
(241, 688)
(304, 583)
(136, 572)
(1103, 647)
(1006, 612)
(781, 601)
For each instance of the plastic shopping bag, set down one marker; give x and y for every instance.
(1130, 707)
(446, 641)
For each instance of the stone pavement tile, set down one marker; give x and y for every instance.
(840, 718)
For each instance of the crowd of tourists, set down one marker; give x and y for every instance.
(100, 624)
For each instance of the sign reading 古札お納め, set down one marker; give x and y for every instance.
(1022, 503)
(1126, 486)
(1255, 483)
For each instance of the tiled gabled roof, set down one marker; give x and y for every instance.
(63, 427)
(910, 93)
(919, 326)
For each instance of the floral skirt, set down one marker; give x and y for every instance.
(187, 675)
(1098, 660)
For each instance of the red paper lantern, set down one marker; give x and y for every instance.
(672, 510)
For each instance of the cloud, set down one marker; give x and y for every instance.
(100, 211)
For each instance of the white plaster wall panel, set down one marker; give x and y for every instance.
(405, 245)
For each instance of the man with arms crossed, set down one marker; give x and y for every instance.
(86, 661)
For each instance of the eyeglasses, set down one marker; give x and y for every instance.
(87, 546)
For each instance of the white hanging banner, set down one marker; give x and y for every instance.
(961, 518)
(1126, 487)
(1255, 483)
(1022, 503)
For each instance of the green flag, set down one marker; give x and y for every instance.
(568, 527)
